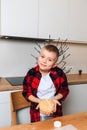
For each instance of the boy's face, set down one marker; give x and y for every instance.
(47, 60)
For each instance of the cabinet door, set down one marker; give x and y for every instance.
(76, 100)
(0, 17)
(53, 19)
(19, 18)
(78, 20)
(5, 116)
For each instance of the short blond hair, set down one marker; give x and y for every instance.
(52, 48)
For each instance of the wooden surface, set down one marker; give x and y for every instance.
(77, 79)
(3, 81)
(77, 120)
(72, 79)
(6, 86)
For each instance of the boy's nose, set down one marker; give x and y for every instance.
(45, 60)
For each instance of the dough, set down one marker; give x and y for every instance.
(46, 105)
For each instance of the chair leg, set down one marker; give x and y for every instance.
(13, 118)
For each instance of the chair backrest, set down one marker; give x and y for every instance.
(17, 102)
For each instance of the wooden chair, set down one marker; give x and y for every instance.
(17, 102)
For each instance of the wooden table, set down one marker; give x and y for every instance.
(78, 120)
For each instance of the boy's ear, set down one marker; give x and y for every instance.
(55, 65)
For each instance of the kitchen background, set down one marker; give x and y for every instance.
(41, 19)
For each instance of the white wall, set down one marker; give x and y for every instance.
(15, 57)
(77, 59)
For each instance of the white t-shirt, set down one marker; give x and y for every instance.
(46, 90)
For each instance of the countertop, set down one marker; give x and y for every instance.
(6, 86)
(77, 79)
(77, 121)
(72, 80)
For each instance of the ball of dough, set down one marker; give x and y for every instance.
(46, 105)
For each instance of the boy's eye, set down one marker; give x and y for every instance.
(50, 60)
(42, 56)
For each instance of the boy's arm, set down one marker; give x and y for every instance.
(64, 88)
(58, 96)
(33, 99)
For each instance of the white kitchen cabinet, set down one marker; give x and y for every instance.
(5, 115)
(5, 112)
(44, 19)
(53, 19)
(78, 20)
(19, 18)
(76, 100)
(0, 17)
(34, 18)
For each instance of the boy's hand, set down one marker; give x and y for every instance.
(56, 102)
(47, 106)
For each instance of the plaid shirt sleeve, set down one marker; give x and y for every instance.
(60, 82)
(64, 90)
(26, 86)
(30, 85)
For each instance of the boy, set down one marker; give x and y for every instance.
(45, 81)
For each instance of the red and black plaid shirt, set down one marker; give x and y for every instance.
(30, 87)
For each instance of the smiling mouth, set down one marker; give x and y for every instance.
(43, 65)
